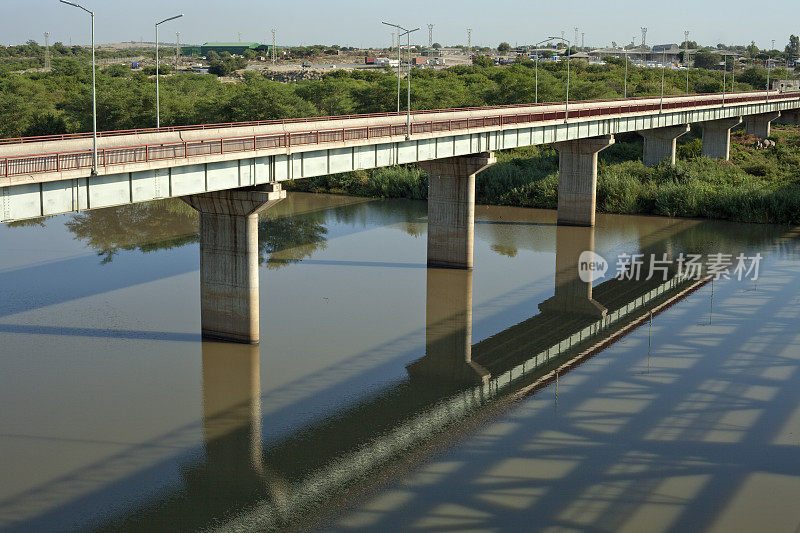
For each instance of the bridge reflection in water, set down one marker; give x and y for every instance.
(243, 482)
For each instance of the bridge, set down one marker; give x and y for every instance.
(232, 172)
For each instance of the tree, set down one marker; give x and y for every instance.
(707, 60)
(437, 46)
(793, 48)
(752, 50)
(504, 47)
(482, 61)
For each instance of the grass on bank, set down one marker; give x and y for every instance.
(756, 185)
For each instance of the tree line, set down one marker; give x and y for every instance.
(42, 103)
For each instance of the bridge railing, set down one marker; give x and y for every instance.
(74, 160)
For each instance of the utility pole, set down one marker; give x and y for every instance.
(47, 51)
(644, 39)
(583, 42)
(177, 48)
(469, 41)
(240, 36)
(274, 51)
(430, 35)
(575, 41)
(392, 48)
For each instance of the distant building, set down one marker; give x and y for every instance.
(785, 86)
(234, 48)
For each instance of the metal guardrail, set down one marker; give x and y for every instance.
(75, 160)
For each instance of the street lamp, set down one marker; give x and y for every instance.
(663, 70)
(566, 103)
(536, 94)
(625, 93)
(158, 100)
(407, 33)
(94, 92)
(686, 57)
(398, 62)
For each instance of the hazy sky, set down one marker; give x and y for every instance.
(357, 22)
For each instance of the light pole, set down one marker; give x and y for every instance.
(724, 77)
(663, 70)
(407, 33)
(399, 62)
(536, 92)
(686, 57)
(94, 92)
(625, 94)
(566, 102)
(158, 100)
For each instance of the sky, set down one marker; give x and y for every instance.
(358, 22)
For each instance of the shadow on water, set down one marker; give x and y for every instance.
(242, 481)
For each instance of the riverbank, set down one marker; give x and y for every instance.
(757, 185)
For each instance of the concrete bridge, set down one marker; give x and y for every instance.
(232, 172)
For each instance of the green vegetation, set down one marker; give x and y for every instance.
(757, 185)
(42, 103)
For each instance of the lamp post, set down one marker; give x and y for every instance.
(769, 67)
(663, 70)
(94, 92)
(399, 62)
(566, 102)
(407, 33)
(625, 94)
(686, 57)
(536, 92)
(724, 78)
(158, 75)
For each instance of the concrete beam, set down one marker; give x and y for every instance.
(717, 137)
(451, 208)
(760, 125)
(660, 144)
(577, 179)
(229, 260)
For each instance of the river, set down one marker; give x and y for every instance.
(388, 396)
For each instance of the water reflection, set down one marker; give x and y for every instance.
(297, 479)
(249, 477)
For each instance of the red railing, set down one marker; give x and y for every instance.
(62, 161)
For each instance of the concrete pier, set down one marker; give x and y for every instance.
(573, 292)
(229, 260)
(660, 144)
(451, 208)
(448, 332)
(577, 179)
(717, 137)
(760, 125)
(789, 118)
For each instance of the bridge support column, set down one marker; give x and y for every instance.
(790, 117)
(451, 208)
(660, 144)
(717, 137)
(229, 260)
(448, 332)
(576, 269)
(577, 179)
(760, 125)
